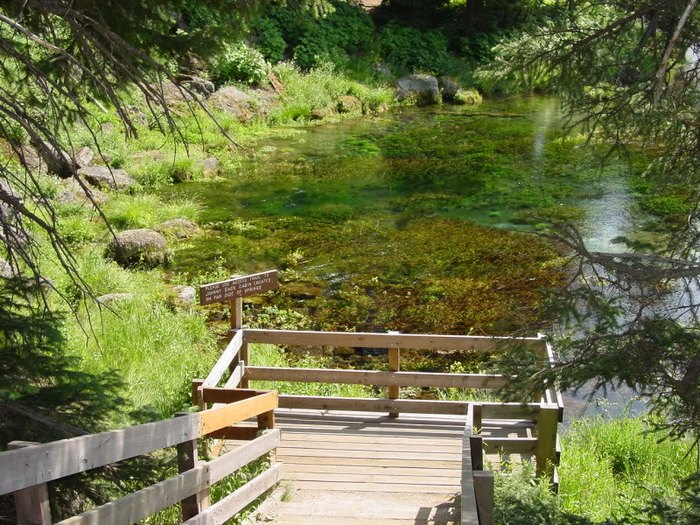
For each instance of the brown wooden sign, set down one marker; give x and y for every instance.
(225, 291)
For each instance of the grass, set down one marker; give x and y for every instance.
(611, 470)
(147, 211)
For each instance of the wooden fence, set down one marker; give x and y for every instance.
(544, 413)
(28, 467)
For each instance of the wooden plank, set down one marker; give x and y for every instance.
(373, 462)
(50, 461)
(453, 472)
(509, 410)
(469, 514)
(32, 503)
(239, 499)
(367, 440)
(376, 340)
(511, 445)
(367, 454)
(228, 395)
(226, 415)
(416, 446)
(236, 376)
(340, 477)
(376, 377)
(146, 502)
(373, 404)
(224, 361)
(374, 487)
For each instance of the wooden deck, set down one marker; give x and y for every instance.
(358, 467)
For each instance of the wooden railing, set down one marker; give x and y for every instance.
(544, 413)
(28, 467)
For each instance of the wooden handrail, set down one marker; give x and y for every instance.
(375, 377)
(376, 340)
(51, 461)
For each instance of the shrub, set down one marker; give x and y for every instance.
(410, 50)
(240, 63)
(268, 39)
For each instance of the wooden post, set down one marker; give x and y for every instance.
(187, 459)
(545, 453)
(476, 441)
(32, 503)
(266, 421)
(394, 355)
(483, 488)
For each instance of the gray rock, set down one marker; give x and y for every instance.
(448, 88)
(197, 84)
(137, 116)
(321, 113)
(211, 167)
(185, 295)
(178, 228)
(424, 88)
(83, 158)
(114, 298)
(7, 212)
(6, 271)
(73, 193)
(138, 247)
(173, 93)
(234, 101)
(104, 177)
(31, 159)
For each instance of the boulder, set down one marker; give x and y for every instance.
(211, 167)
(234, 101)
(83, 158)
(424, 88)
(178, 228)
(6, 271)
(448, 88)
(185, 295)
(138, 247)
(199, 85)
(31, 159)
(321, 113)
(104, 177)
(73, 193)
(110, 298)
(349, 104)
(172, 93)
(136, 116)
(7, 212)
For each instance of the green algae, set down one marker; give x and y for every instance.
(404, 222)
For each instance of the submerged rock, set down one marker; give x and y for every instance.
(424, 88)
(138, 247)
(104, 177)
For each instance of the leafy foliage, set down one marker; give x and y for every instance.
(240, 63)
(411, 50)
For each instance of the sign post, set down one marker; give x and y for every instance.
(233, 291)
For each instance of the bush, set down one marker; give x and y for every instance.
(410, 50)
(240, 63)
(268, 39)
(345, 30)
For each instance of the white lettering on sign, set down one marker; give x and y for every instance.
(225, 291)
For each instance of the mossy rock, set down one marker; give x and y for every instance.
(468, 97)
(140, 247)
